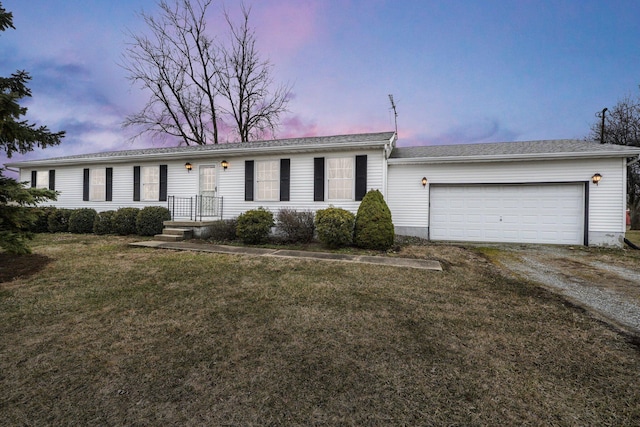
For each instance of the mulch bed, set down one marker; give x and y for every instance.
(13, 266)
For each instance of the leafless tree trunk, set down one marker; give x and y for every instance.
(622, 127)
(245, 83)
(176, 63)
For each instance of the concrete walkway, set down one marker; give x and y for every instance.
(285, 253)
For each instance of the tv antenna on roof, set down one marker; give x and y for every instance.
(395, 113)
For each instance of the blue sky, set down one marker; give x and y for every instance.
(459, 71)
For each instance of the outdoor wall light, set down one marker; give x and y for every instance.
(596, 178)
(424, 181)
(188, 166)
(224, 164)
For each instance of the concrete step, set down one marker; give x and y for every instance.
(187, 233)
(168, 237)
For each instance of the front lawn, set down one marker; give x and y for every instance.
(633, 236)
(107, 334)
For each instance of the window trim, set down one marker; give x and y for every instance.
(351, 180)
(275, 167)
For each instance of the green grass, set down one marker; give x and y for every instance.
(107, 334)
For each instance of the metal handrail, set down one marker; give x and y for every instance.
(195, 208)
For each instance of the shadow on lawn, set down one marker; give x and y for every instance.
(13, 266)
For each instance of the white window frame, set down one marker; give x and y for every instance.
(42, 179)
(340, 188)
(98, 185)
(150, 183)
(267, 180)
(204, 185)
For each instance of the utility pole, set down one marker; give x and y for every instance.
(604, 110)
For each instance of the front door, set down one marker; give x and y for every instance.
(208, 204)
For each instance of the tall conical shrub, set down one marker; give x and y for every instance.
(374, 227)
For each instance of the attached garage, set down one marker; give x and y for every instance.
(566, 192)
(513, 213)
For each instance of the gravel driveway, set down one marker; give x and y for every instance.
(606, 282)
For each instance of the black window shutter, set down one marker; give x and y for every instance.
(361, 176)
(163, 183)
(109, 185)
(34, 176)
(52, 179)
(136, 183)
(85, 185)
(285, 173)
(318, 179)
(248, 180)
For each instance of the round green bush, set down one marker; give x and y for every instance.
(335, 227)
(103, 223)
(58, 220)
(124, 221)
(81, 220)
(374, 227)
(253, 226)
(150, 219)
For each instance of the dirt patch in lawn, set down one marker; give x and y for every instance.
(14, 266)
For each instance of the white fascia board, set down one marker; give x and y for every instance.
(194, 155)
(511, 157)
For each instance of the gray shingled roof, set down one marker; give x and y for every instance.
(505, 150)
(309, 143)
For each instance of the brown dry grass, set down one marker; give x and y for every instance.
(107, 334)
(634, 236)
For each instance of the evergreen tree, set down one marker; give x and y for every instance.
(18, 135)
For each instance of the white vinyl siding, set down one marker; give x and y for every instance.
(409, 200)
(42, 179)
(97, 184)
(340, 184)
(267, 186)
(150, 176)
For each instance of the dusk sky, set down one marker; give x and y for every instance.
(460, 71)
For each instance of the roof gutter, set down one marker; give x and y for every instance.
(506, 158)
(190, 155)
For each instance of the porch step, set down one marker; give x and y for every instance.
(174, 234)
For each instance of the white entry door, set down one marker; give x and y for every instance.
(541, 213)
(208, 182)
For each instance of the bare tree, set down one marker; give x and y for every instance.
(245, 82)
(176, 63)
(195, 82)
(621, 126)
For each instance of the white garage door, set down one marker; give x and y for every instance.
(545, 213)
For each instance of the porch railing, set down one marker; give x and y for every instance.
(195, 208)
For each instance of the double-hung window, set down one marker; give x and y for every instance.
(97, 186)
(42, 179)
(340, 178)
(268, 180)
(150, 182)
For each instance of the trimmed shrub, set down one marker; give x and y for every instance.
(374, 227)
(296, 227)
(254, 226)
(335, 227)
(41, 224)
(58, 220)
(81, 220)
(223, 230)
(103, 224)
(124, 221)
(149, 221)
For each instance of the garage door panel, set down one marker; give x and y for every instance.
(545, 213)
